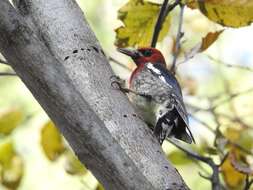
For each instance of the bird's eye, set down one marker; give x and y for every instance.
(147, 53)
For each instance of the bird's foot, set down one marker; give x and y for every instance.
(118, 83)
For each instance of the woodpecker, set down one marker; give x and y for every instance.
(157, 95)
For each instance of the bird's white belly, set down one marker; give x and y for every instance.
(145, 108)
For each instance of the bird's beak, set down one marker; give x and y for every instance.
(133, 53)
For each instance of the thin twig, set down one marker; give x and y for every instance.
(213, 107)
(248, 183)
(240, 147)
(172, 6)
(119, 63)
(214, 178)
(202, 123)
(7, 74)
(235, 120)
(223, 159)
(179, 36)
(231, 97)
(165, 10)
(230, 65)
(217, 129)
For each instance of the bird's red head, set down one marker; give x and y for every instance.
(141, 56)
(144, 55)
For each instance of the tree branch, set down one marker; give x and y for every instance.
(63, 65)
(159, 23)
(119, 63)
(215, 180)
(165, 10)
(229, 65)
(179, 36)
(248, 183)
(7, 74)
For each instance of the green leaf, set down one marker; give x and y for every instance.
(9, 121)
(178, 157)
(51, 141)
(139, 18)
(212, 150)
(226, 12)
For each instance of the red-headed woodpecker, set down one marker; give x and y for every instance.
(157, 95)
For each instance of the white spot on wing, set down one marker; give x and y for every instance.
(155, 70)
(151, 67)
(163, 79)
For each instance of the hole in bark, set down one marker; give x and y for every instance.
(96, 49)
(134, 115)
(82, 49)
(166, 167)
(75, 51)
(88, 49)
(124, 115)
(102, 52)
(66, 58)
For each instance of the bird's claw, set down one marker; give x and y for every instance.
(115, 77)
(117, 83)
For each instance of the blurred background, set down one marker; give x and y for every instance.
(217, 86)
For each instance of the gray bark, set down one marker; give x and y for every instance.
(53, 50)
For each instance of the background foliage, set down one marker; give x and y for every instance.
(214, 67)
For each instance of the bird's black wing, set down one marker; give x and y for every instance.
(160, 71)
(174, 121)
(182, 131)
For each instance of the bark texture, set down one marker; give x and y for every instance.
(53, 50)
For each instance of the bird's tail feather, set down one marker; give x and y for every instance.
(182, 132)
(172, 125)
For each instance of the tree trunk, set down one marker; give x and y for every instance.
(53, 50)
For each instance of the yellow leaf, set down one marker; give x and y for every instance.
(209, 39)
(233, 134)
(233, 13)
(239, 162)
(6, 153)
(242, 137)
(51, 141)
(9, 121)
(73, 165)
(139, 18)
(100, 187)
(11, 166)
(233, 178)
(205, 43)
